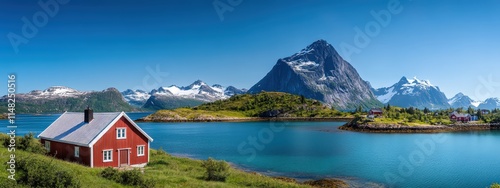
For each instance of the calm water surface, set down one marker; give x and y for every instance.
(317, 150)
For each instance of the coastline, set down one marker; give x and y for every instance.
(394, 128)
(327, 181)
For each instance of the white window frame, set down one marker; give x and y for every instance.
(122, 130)
(110, 155)
(77, 151)
(47, 145)
(139, 150)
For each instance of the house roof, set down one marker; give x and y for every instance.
(70, 128)
(376, 110)
(459, 114)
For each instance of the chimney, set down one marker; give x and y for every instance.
(89, 115)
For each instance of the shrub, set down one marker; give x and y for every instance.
(216, 170)
(131, 177)
(111, 174)
(27, 143)
(495, 185)
(30, 144)
(5, 182)
(34, 172)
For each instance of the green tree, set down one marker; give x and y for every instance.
(426, 110)
(302, 99)
(359, 109)
(479, 114)
(470, 110)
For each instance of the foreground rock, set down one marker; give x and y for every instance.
(334, 183)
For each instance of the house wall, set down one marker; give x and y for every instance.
(133, 139)
(67, 152)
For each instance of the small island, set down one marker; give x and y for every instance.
(413, 120)
(264, 106)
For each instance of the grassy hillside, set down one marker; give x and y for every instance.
(264, 104)
(163, 170)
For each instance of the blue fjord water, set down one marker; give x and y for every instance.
(311, 150)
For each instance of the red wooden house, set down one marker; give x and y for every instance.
(97, 139)
(455, 116)
(376, 112)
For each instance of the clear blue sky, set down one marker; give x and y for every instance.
(96, 44)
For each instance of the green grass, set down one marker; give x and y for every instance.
(170, 171)
(386, 121)
(84, 174)
(164, 169)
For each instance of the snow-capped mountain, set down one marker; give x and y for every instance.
(136, 97)
(58, 99)
(52, 92)
(174, 96)
(198, 90)
(490, 103)
(319, 72)
(413, 93)
(464, 101)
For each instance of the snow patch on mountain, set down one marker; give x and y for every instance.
(476, 103)
(53, 92)
(135, 97)
(388, 96)
(302, 66)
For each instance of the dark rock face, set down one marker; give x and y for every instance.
(318, 72)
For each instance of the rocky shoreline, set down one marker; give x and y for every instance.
(391, 128)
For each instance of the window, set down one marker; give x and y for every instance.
(77, 151)
(107, 155)
(120, 133)
(47, 145)
(140, 150)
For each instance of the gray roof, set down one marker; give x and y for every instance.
(70, 127)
